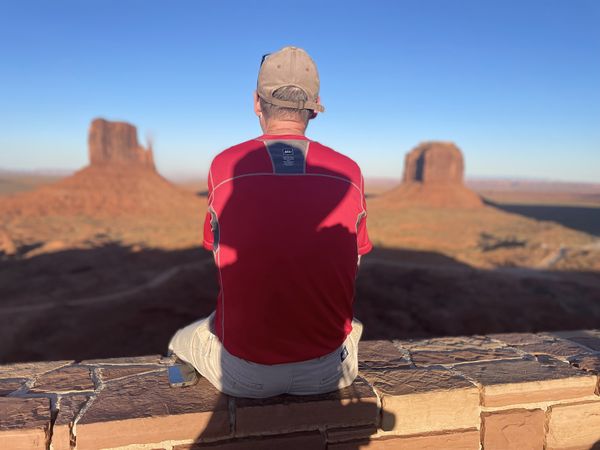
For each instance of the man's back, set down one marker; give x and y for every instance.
(286, 223)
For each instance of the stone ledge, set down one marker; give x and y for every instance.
(499, 391)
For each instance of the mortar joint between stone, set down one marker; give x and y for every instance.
(96, 375)
(547, 416)
(54, 409)
(477, 384)
(379, 416)
(22, 391)
(231, 407)
(77, 418)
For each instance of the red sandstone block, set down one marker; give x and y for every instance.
(518, 338)
(9, 386)
(518, 429)
(418, 401)
(449, 344)
(588, 338)
(293, 441)
(591, 342)
(116, 372)
(354, 405)
(457, 440)
(589, 363)
(559, 348)
(350, 434)
(145, 409)
(574, 426)
(514, 382)
(428, 358)
(24, 423)
(30, 369)
(71, 378)
(144, 430)
(376, 355)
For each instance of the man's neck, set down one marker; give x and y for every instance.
(285, 127)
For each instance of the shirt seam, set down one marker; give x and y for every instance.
(286, 175)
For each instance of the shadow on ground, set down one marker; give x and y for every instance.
(112, 301)
(581, 218)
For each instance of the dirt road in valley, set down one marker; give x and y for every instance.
(126, 294)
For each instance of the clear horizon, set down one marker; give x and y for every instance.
(515, 85)
(193, 176)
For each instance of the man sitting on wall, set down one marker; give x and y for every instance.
(286, 223)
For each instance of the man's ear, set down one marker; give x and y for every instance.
(257, 108)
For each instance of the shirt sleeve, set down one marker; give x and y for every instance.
(209, 238)
(362, 236)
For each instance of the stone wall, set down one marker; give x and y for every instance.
(503, 391)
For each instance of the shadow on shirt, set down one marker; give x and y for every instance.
(286, 248)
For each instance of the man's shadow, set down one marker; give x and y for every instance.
(280, 234)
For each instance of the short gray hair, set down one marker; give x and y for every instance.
(292, 93)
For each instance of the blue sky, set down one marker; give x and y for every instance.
(516, 84)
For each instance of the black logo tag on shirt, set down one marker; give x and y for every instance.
(344, 353)
(288, 156)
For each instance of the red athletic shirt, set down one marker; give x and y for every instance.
(286, 222)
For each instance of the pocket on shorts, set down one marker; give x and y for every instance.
(202, 343)
(332, 377)
(207, 347)
(237, 380)
(343, 360)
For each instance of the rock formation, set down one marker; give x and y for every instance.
(116, 143)
(434, 163)
(120, 180)
(433, 176)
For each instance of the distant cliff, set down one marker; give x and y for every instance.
(434, 176)
(120, 180)
(116, 143)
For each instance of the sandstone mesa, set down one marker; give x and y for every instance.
(434, 177)
(120, 180)
(116, 143)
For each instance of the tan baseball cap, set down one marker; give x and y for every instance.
(290, 66)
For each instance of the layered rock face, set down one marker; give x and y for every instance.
(116, 143)
(433, 176)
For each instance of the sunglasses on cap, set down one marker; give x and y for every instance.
(265, 56)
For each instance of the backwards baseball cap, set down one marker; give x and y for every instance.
(290, 66)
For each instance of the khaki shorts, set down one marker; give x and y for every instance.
(199, 346)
